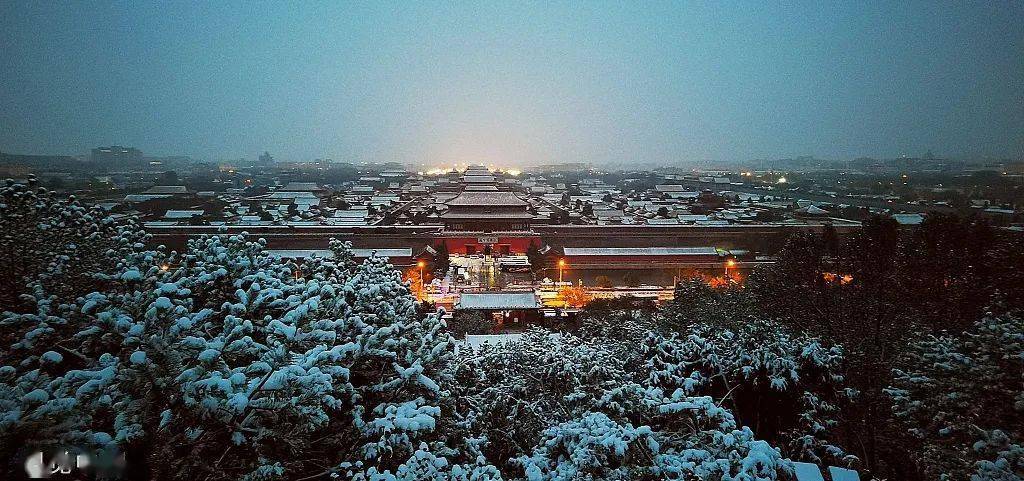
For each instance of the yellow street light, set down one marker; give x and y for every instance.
(729, 263)
(421, 265)
(562, 291)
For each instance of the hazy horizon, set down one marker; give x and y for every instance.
(515, 84)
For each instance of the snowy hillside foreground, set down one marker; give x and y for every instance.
(221, 362)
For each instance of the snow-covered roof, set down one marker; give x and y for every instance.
(605, 213)
(807, 472)
(486, 215)
(144, 197)
(513, 261)
(346, 221)
(291, 195)
(502, 198)
(302, 187)
(481, 187)
(327, 253)
(692, 217)
(160, 223)
(498, 300)
(388, 252)
(683, 195)
(812, 472)
(166, 189)
(640, 251)
(811, 210)
(908, 219)
(350, 214)
(183, 214)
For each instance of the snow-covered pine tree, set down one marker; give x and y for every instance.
(343, 256)
(690, 438)
(54, 357)
(55, 243)
(510, 393)
(560, 406)
(220, 362)
(787, 388)
(696, 302)
(961, 399)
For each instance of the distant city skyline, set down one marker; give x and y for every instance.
(515, 84)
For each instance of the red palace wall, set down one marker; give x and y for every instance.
(652, 261)
(466, 245)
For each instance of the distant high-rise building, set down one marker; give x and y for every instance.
(116, 155)
(266, 158)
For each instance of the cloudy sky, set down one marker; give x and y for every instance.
(514, 83)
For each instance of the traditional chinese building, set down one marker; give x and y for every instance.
(487, 211)
(507, 308)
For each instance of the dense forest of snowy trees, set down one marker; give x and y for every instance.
(220, 362)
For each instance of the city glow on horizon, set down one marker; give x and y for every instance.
(462, 168)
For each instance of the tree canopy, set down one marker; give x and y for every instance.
(223, 362)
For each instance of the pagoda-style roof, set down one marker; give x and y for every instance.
(487, 199)
(498, 301)
(481, 187)
(478, 179)
(502, 215)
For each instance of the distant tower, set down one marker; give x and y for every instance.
(266, 158)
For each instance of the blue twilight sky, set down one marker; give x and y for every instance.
(612, 83)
